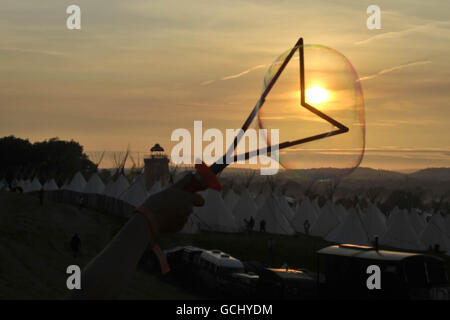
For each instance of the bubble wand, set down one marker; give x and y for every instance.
(206, 177)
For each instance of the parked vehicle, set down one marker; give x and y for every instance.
(403, 275)
(341, 274)
(281, 283)
(216, 267)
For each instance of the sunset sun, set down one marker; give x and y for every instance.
(317, 94)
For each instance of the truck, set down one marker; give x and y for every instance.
(403, 275)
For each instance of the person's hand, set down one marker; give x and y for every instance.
(171, 207)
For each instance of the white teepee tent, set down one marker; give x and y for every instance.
(136, 194)
(35, 185)
(24, 184)
(303, 212)
(65, 185)
(259, 201)
(350, 230)
(50, 185)
(94, 185)
(326, 221)
(231, 198)
(215, 215)
(390, 215)
(285, 207)
(374, 222)
(118, 187)
(400, 233)
(191, 226)
(341, 211)
(416, 221)
(315, 205)
(267, 189)
(108, 188)
(275, 220)
(435, 234)
(244, 209)
(77, 184)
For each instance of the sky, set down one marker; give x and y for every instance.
(137, 70)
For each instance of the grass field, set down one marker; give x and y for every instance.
(34, 249)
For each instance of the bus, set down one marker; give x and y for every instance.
(215, 268)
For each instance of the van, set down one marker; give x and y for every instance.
(215, 268)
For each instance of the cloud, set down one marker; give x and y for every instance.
(404, 122)
(237, 75)
(396, 149)
(401, 33)
(240, 74)
(205, 83)
(402, 66)
(43, 52)
(395, 34)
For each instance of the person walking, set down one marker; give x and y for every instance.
(262, 226)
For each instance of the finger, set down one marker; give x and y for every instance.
(186, 198)
(184, 181)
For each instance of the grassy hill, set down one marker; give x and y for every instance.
(35, 253)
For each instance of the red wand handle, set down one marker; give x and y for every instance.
(203, 179)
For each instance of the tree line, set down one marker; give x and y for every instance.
(52, 158)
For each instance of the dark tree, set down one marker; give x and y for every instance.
(51, 158)
(14, 160)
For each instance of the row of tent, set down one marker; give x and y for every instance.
(133, 193)
(332, 222)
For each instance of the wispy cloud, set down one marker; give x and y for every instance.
(393, 34)
(396, 149)
(240, 74)
(402, 66)
(44, 52)
(404, 122)
(205, 83)
(237, 75)
(397, 34)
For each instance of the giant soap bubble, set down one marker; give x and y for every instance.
(332, 86)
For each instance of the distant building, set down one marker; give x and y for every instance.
(156, 167)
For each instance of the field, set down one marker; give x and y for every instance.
(35, 253)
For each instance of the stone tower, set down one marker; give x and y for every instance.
(156, 167)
